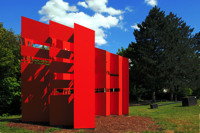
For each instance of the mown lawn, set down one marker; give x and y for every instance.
(172, 118)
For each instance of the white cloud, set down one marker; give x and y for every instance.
(100, 6)
(128, 8)
(60, 11)
(120, 17)
(125, 29)
(151, 2)
(82, 4)
(135, 26)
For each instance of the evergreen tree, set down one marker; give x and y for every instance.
(178, 54)
(136, 88)
(149, 47)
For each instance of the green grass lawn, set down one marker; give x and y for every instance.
(171, 118)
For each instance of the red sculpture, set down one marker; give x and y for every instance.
(90, 81)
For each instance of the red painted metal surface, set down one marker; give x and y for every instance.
(63, 92)
(100, 68)
(114, 103)
(59, 31)
(125, 86)
(35, 92)
(84, 77)
(107, 83)
(114, 64)
(120, 86)
(62, 113)
(34, 30)
(100, 104)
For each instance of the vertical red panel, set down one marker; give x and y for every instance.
(125, 85)
(114, 64)
(59, 31)
(84, 77)
(120, 85)
(107, 83)
(100, 103)
(62, 110)
(114, 103)
(114, 82)
(35, 78)
(34, 30)
(100, 68)
(35, 92)
(100, 81)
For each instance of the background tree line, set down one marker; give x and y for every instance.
(165, 55)
(10, 71)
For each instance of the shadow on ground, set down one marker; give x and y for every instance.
(19, 120)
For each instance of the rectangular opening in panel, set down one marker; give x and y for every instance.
(101, 90)
(114, 90)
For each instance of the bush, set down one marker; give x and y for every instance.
(184, 92)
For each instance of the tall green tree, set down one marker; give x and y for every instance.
(178, 54)
(10, 72)
(136, 77)
(148, 49)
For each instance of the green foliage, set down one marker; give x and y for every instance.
(184, 92)
(10, 72)
(165, 55)
(196, 92)
(52, 129)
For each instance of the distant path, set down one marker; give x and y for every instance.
(148, 103)
(170, 103)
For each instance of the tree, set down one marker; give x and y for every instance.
(10, 72)
(135, 87)
(148, 49)
(178, 54)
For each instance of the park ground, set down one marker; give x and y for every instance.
(171, 118)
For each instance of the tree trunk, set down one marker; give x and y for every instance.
(175, 97)
(137, 98)
(153, 94)
(171, 93)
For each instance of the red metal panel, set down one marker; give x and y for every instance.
(84, 77)
(36, 52)
(114, 82)
(34, 30)
(114, 64)
(100, 103)
(120, 86)
(107, 83)
(100, 68)
(114, 103)
(35, 92)
(125, 80)
(62, 110)
(60, 67)
(60, 31)
(68, 46)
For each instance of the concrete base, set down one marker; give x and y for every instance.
(154, 106)
(189, 101)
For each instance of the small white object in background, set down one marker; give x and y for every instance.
(65, 48)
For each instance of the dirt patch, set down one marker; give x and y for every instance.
(103, 124)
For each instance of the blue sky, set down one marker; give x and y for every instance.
(113, 21)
